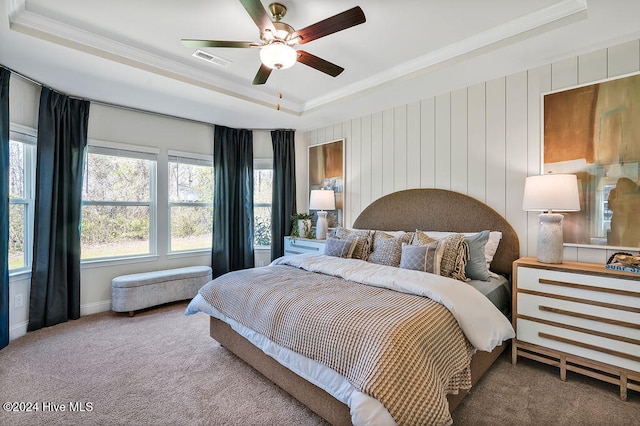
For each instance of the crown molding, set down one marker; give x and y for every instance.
(535, 23)
(28, 22)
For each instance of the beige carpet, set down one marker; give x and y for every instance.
(162, 368)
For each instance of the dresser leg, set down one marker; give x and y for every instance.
(623, 386)
(563, 368)
(514, 353)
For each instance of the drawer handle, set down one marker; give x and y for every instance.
(588, 287)
(589, 317)
(589, 346)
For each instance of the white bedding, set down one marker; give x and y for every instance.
(482, 323)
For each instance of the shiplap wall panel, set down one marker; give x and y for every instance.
(496, 141)
(427, 143)
(356, 167)
(348, 159)
(376, 156)
(443, 141)
(388, 160)
(365, 168)
(496, 126)
(516, 150)
(413, 145)
(592, 66)
(400, 148)
(538, 82)
(459, 149)
(476, 128)
(624, 58)
(564, 73)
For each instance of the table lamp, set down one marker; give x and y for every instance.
(549, 193)
(321, 200)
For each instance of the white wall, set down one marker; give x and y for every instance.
(130, 127)
(482, 140)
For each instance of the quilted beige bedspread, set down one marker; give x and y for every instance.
(405, 350)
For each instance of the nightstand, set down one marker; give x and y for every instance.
(580, 317)
(297, 245)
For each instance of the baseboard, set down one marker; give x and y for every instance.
(18, 330)
(95, 307)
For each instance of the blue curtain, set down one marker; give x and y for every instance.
(5, 74)
(55, 276)
(232, 200)
(283, 200)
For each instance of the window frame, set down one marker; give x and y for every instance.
(129, 151)
(193, 159)
(29, 137)
(262, 164)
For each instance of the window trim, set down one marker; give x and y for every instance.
(114, 149)
(196, 160)
(29, 137)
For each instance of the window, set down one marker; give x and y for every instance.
(118, 203)
(262, 190)
(190, 203)
(22, 159)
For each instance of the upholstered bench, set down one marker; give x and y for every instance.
(132, 292)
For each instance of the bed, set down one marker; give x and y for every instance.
(326, 391)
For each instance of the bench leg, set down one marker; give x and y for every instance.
(131, 314)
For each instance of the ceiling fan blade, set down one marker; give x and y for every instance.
(217, 43)
(259, 15)
(318, 63)
(331, 25)
(262, 75)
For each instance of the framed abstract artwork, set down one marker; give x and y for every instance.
(326, 171)
(593, 131)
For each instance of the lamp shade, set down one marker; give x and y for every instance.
(551, 192)
(278, 55)
(322, 199)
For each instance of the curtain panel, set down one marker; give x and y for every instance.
(5, 75)
(232, 200)
(283, 201)
(62, 142)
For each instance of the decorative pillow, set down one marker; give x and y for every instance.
(421, 238)
(340, 248)
(454, 257)
(387, 249)
(476, 267)
(425, 258)
(491, 248)
(363, 246)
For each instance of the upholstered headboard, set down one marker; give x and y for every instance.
(440, 210)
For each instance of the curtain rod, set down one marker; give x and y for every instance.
(124, 107)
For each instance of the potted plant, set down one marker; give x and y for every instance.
(301, 225)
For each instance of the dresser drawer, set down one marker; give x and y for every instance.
(607, 350)
(604, 290)
(302, 245)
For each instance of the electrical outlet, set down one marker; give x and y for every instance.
(18, 301)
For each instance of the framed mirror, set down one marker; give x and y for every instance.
(593, 131)
(326, 171)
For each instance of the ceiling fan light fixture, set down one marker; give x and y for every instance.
(278, 56)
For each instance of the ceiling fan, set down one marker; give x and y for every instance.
(278, 38)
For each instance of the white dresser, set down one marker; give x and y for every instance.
(296, 245)
(580, 317)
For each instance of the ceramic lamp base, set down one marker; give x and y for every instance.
(550, 243)
(322, 226)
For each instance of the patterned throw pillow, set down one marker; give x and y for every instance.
(425, 258)
(421, 238)
(340, 248)
(387, 249)
(363, 245)
(454, 257)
